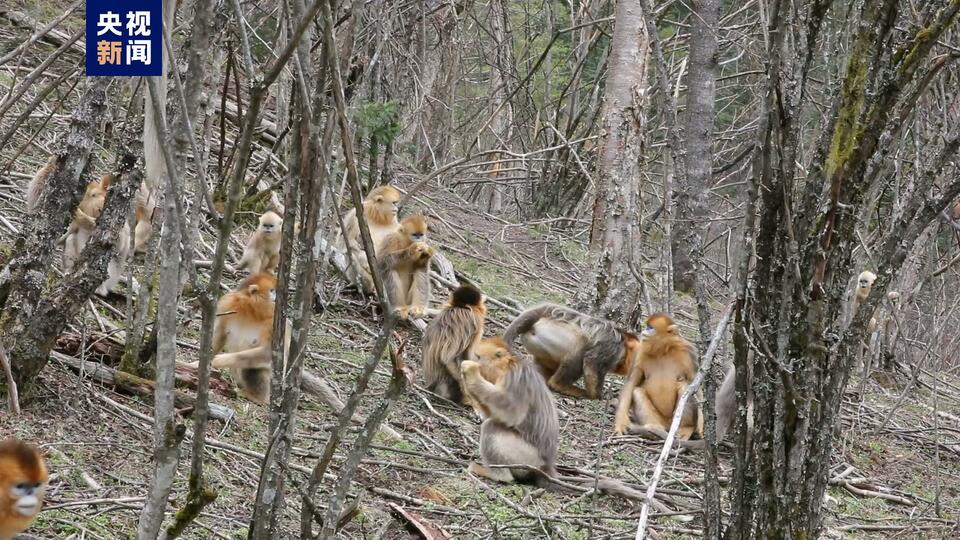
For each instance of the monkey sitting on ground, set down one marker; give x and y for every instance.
(82, 227)
(450, 338)
(262, 253)
(23, 481)
(665, 367)
(567, 344)
(380, 211)
(520, 425)
(242, 337)
(404, 261)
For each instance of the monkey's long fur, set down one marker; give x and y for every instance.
(448, 340)
(520, 406)
(601, 344)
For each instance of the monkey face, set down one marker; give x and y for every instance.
(658, 323)
(270, 223)
(415, 227)
(387, 199)
(93, 199)
(27, 497)
(865, 279)
(23, 480)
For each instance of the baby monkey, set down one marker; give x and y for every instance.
(23, 481)
(262, 253)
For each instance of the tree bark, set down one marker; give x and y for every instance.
(790, 333)
(692, 211)
(610, 290)
(33, 316)
(167, 433)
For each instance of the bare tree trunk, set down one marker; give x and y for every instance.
(167, 433)
(152, 152)
(610, 289)
(690, 227)
(502, 122)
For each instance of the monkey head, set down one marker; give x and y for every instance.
(259, 288)
(94, 197)
(866, 279)
(469, 297)
(270, 223)
(382, 205)
(414, 227)
(23, 479)
(660, 325)
(494, 359)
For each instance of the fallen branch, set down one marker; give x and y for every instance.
(131, 384)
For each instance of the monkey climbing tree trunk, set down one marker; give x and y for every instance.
(34, 313)
(610, 288)
(789, 311)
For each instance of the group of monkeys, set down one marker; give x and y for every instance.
(509, 390)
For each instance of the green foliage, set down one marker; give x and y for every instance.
(379, 121)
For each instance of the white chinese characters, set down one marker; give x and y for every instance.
(138, 50)
(138, 23)
(109, 22)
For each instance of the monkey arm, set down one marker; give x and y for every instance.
(255, 358)
(634, 379)
(502, 406)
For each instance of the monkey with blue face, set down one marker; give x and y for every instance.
(23, 482)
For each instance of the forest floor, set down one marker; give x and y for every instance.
(896, 476)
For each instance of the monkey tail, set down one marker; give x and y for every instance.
(523, 324)
(607, 486)
(318, 388)
(38, 183)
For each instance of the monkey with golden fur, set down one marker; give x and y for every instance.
(82, 227)
(450, 338)
(404, 264)
(380, 211)
(520, 424)
(262, 253)
(664, 368)
(23, 482)
(242, 341)
(567, 344)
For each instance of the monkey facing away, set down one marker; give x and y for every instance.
(380, 210)
(450, 338)
(82, 228)
(262, 253)
(404, 261)
(520, 425)
(567, 344)
(665, 367)
(23, 481)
